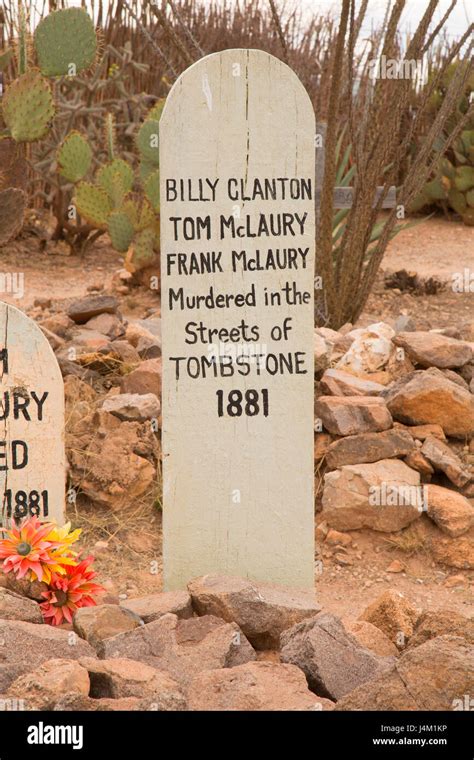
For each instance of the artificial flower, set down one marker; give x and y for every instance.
(63, 534)
(69, 592)
(27, 552)
(36, 551)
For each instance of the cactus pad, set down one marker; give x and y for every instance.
(93, 204)
(142, 253)
(12, 210)
(146, 168)
(65, 42)
(464, 178)
(121, 231)
(132, 210)
(148, 141)
(457, 201)
(28, 107)
(74, 157)
(140, 213)
(115, 175)
(146, 216)
(152, 189)
(437, 189)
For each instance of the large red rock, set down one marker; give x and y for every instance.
(18, 607)
(94, 624)
(336, 382)
(418, 462)
(153, 606)
(350, 415)
(43, 687)
(183, 648)
(331, 658)
(146, 378)
(254, 686)
(451, 511)
(430, 349)
(383, 496)
(26, 646)
(423, 397)
(371, 637)
(261, 610)
(421, 432)
(443, 458)
(455, 552)
(119, 678)
(80, 703)
(394, 615)
(433, 676)
(433, 623)
(369, 447)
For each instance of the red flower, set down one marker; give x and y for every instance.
(68, 592)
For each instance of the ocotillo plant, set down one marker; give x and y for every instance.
(114, 200)
(64, 44)
(379, 147)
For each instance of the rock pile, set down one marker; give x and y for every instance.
(393, 434)
(231, 644)
(112, 374)
(394, 423)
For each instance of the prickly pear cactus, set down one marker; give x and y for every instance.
(93, 204)
(152, 189)
(74, 157)
(28, 107)
(65, 42)
(453, 183)
(142, 252)
(121, 230)
(110, 201)
(116, 178)
(148, 141)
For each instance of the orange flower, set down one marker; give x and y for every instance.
(68, 592)
(34, 550)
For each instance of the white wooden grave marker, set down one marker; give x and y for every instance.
(237, 164)
(32, 458)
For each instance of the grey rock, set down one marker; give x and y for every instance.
(331, 658)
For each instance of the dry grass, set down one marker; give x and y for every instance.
(133, 537)
(410, 541)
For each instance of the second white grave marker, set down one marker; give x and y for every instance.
(237, 251)
(32, 458)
